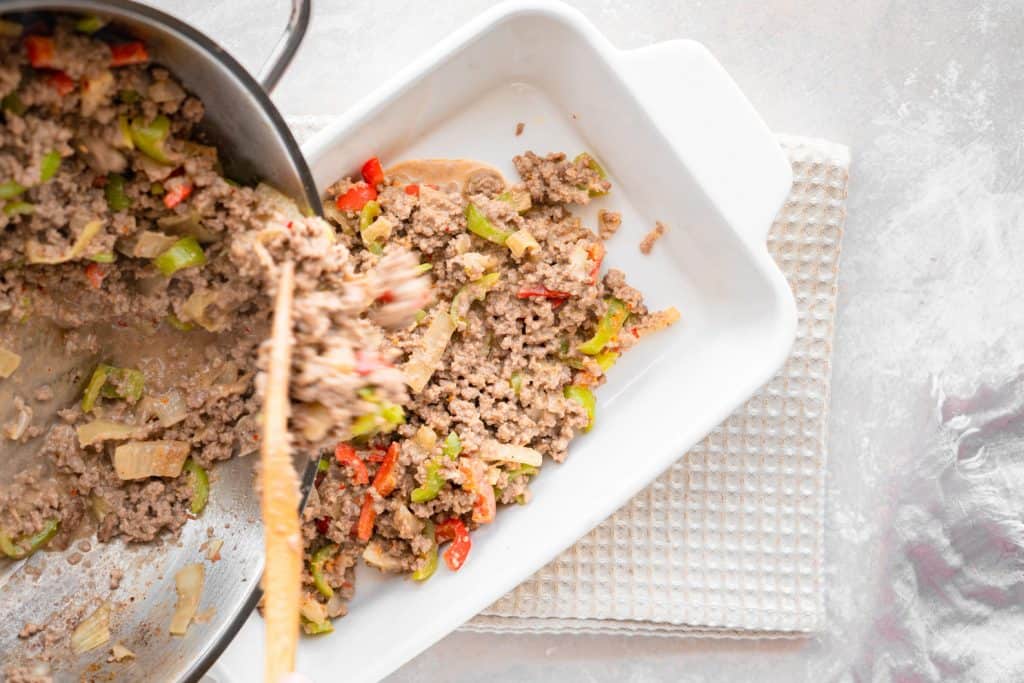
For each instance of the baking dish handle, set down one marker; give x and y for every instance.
(712, 126)
(287, 45)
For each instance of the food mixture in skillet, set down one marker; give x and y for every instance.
(501, 370)
(135, 291)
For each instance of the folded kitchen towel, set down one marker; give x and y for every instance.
(728, 541)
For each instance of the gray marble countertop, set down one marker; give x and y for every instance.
(928, 96)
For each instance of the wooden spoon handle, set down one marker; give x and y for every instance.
(280, 497)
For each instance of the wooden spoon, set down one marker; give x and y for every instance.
(279, 501)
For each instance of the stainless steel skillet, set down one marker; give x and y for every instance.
(46, 588)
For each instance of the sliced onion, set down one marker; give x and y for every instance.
(119, 652)
(195, 310)
(187, 225)
(149, 244)
(104, 430)
(273, 197)
(313, 610)
(492, 450)
(425, 438)
(169, 409)
(189, 583)
(420, 368)
(36, 252)
(93, 631)
(375, 556)
(521, 242)
(9, 362)
(141, 459)
(213, 547)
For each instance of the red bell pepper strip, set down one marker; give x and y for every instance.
(413, 189)
(542, 292)
(128, 53)
(346, 455)
(356, 197)
(455, 531)
(387, 479)
(373, 174)
(60, 82)
(596, 251)
(94, 274)
(176, 194)
(485, 506)
(40, 51)
(367, 516)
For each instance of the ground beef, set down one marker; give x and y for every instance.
(554, 180)
(647, 243)
(608, 223)
(500, 384)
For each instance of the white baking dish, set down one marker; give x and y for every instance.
(681, 145)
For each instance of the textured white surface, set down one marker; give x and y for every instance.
(928, 95)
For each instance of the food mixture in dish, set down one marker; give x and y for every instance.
(501, 370)
(136, 283)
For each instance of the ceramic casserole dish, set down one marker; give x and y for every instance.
(681, 145)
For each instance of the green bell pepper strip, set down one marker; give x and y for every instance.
(464, 298)
(585, 397)
(523, 471)
(607, 328)
(428, 569)
(123, 383)
(23, 547)
(157, 189)
(516, 382)
(392, 413)
(185, 253)
(592, 164)
(323, 465)
(313, 628)
(112, 382)
(49, 165)
(10, 189)
(367, 215)
(200, 486)
(19, 208)
(316, 569)
(92, 390)
(481, 226)
(89, 24)
(606, 359)
(431, 486)
(151, 138)
(424, 268)
(103, 257)
(452, 446)
(364, 425)
(117, 200)
(13, 104)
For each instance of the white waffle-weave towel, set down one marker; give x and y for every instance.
(728, 541)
